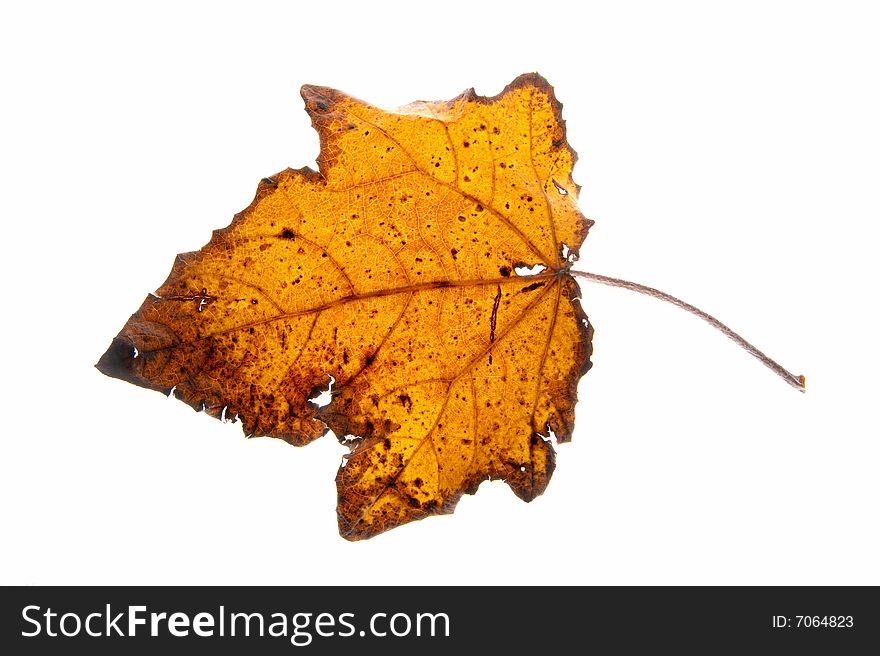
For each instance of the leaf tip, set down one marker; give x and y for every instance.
(319, 100)
(120, 361)
(533, 79)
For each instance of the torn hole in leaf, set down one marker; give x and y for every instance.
(562, 190)
(223, 414)
(550, 437)
(321, 396)
(350, 441)
(135, 352)
(526, 270)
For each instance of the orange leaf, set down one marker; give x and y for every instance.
(393, 270)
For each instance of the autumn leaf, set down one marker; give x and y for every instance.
(394, 270)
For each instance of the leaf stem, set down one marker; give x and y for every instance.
(798, 382)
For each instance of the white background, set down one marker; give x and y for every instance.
(728, 153)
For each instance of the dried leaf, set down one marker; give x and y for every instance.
(393, 270)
